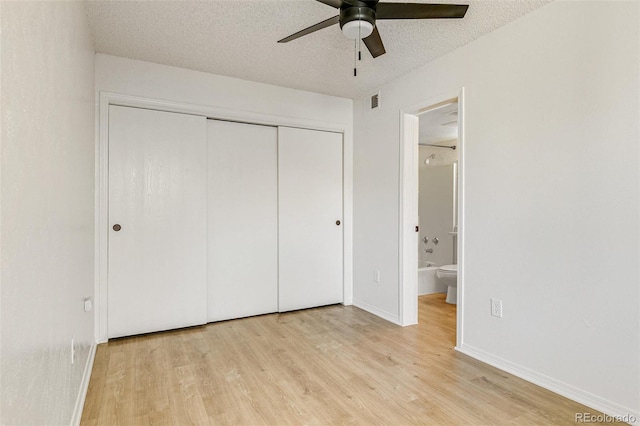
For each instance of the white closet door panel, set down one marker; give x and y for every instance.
(243, 220)
(157, 193)
(310, 203)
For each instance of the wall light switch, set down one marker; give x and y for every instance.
(87, 304)
(376, 276)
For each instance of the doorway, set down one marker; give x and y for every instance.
(437, 199)
(409, 204)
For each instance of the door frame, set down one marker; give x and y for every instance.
(213, 112)
(408, 204)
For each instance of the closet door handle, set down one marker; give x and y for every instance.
(338, 222)
(117, 227)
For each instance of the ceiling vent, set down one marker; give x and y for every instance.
(375, 101)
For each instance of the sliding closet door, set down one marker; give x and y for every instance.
(243, 220)
(310, 218)
(157, 216)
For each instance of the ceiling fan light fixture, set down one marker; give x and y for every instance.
(357, 29)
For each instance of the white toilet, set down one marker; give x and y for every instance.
(448, 274)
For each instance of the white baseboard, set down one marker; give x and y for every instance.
(84, 386)
(376, 311)
(590, 400)
(425, 291)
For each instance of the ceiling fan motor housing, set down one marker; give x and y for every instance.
(357, 22)
(357, 13)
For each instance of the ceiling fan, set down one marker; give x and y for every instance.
(357, 18)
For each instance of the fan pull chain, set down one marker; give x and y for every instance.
(357, 51)
(359, 40)
(355, 54)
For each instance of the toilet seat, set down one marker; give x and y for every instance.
(448, 270)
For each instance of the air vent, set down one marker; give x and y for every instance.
(375, 101)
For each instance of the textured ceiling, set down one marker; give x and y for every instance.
(238, 38)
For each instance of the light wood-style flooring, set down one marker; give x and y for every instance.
(322, 366)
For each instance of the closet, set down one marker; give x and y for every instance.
(214, 220)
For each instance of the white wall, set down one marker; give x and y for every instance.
(47, 196)
(146, 79)
(551, 172)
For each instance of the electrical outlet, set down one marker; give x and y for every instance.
(73, 350)
(376, 276)
(496, 308)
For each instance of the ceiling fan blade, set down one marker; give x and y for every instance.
(420, 11)
(339, 3)
(313, 28)
(332, 3)
(374, 43)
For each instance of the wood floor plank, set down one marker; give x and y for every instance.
(323, 366)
